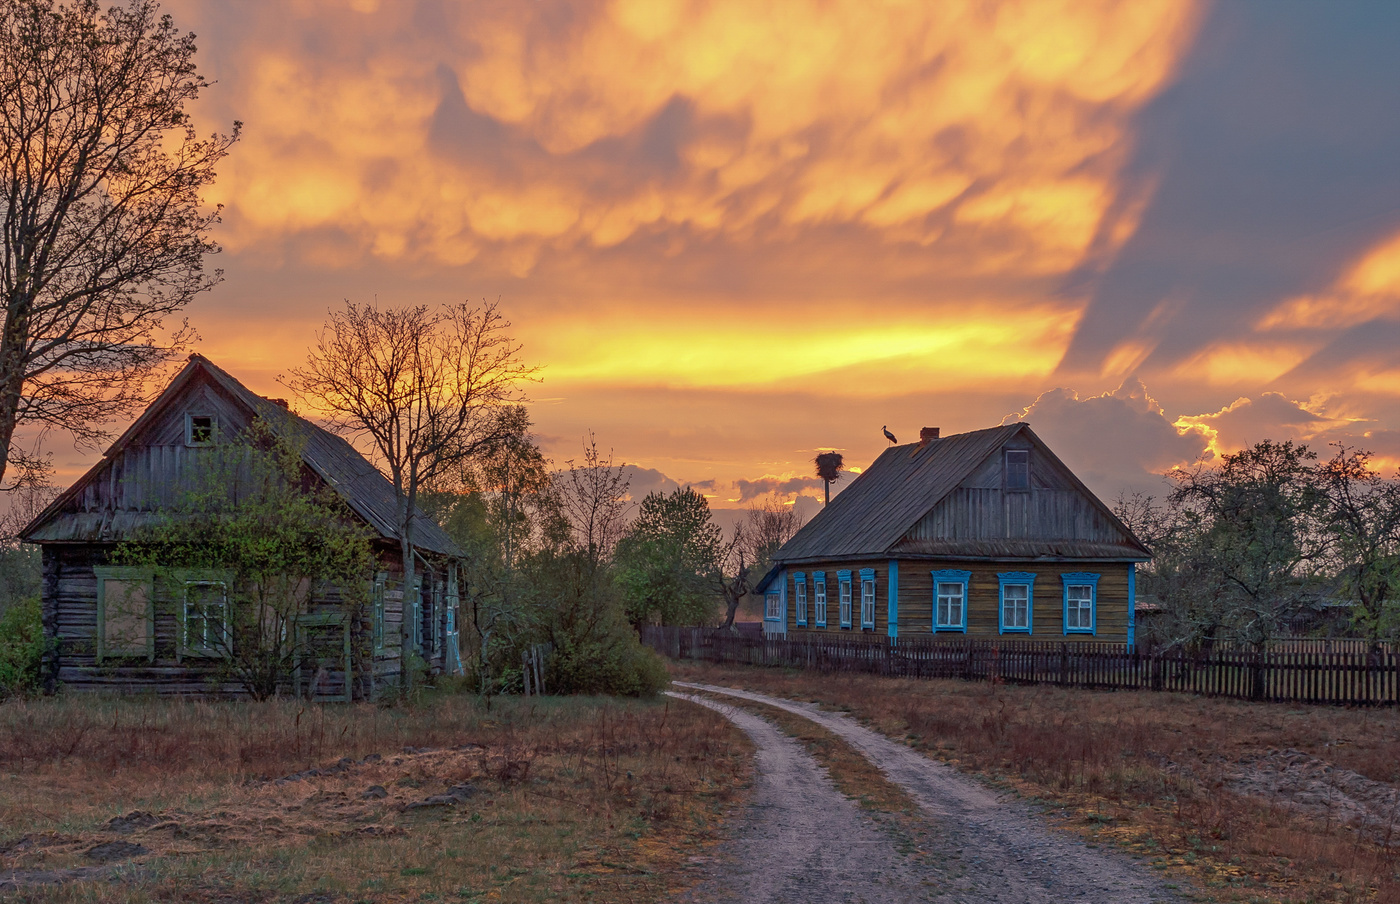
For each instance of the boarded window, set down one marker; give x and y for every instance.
(125, 616)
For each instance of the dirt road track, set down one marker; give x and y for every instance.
(986, 847)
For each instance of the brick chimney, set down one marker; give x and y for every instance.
(926, 434)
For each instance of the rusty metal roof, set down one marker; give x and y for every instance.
(368, 493)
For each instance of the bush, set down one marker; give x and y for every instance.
(21, 648)
(616, 664)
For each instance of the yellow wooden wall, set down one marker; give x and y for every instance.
(916, 599)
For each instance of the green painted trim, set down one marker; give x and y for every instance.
(105, 573)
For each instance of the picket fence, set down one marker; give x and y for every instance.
(1294, 674)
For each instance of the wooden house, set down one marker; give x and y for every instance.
(981, 534)
(120, 628)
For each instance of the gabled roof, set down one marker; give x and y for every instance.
(368, 493)
(881, 506)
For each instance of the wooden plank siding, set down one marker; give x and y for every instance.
(915, 613)
(833, 599)
(71, 619)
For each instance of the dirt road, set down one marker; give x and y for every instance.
(985, 846)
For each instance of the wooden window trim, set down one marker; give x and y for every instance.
(199, 651)
(125, 574)
(867, 600)
(190, 439)
(819, 598)
(1007, 470)
(1016, 579)
(1082, 579)
(844, 601)
(799, 586)
(950, 576)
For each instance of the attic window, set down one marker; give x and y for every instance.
(1018, 469)
(200, 429)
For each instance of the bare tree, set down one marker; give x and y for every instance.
(593, 498)
(749, 553)
(428, 390)
(102, 229)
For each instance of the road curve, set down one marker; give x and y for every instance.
(987, 846)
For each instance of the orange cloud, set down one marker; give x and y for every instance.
(1369, 290)
(504, 131)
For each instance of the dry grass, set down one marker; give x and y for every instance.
(1145, 771)
(556, 800)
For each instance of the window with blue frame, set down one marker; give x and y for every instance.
(1017, 608)
(799, 592)
(843, 590)
(1081, 602)
(950, 600)
(867, 598)
(819, 598)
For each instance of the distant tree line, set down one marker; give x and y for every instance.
(1269, 543)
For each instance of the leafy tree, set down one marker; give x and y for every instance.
(571, 593)
(426, 388)
(1258, 516)
(1362, 520)
(266, 534)
(670, 559)
(496, 510)
(102, 229)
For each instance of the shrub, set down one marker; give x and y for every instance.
(21, 648)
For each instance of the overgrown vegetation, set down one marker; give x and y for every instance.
(1271, 543)
(21, 648)
(245, 547)
(541, 800)
(1249, 802)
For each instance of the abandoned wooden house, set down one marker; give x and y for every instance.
(983, 534)
(121, 628)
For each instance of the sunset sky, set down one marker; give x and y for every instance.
(734, 233)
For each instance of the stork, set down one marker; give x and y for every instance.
(888, 435)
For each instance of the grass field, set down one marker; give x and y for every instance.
(1242, 802)
(545, 800)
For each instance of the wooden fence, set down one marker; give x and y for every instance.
(1293, 674)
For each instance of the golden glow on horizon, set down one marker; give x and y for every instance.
(979, 348)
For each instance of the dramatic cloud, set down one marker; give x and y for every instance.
(1120, 441)
(738, 233)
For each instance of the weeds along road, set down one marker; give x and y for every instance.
(801, 841)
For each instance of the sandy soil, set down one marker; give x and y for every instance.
(802, 842)
(1319, 789)
(986, 846)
